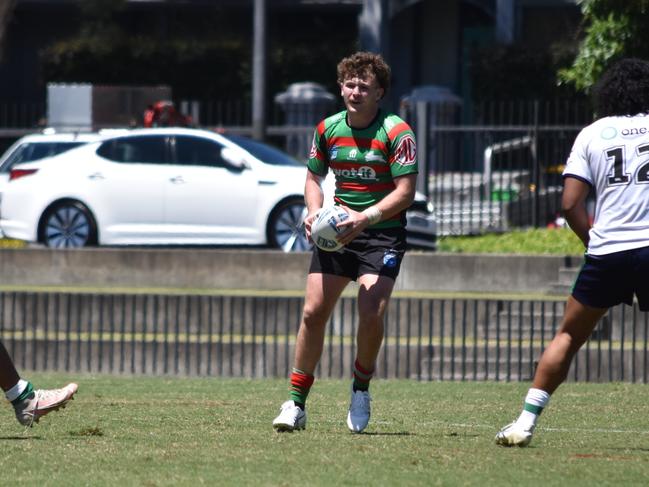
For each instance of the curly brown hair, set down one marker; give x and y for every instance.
(364, 64)
(623, 89)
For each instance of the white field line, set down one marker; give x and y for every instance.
(540, 428)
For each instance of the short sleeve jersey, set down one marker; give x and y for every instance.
(364, 161)
(612, 156)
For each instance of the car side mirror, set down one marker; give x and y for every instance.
(234, 158)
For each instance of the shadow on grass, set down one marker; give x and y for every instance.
(462, 435)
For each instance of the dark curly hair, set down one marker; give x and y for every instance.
(361, 64)
(623, 89)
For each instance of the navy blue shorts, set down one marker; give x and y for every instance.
(377, 252)
(607, 280)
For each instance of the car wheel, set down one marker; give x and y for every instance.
(286, 227)
(68, 225)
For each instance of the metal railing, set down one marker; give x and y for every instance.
(491, 178)
(243, 336)
(498, 173)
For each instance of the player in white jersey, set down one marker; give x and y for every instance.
(611, 157)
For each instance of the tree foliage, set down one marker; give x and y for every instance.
(612, 29)
(201, 54)
(6, 11)
(512, 72)
(115, 46)
(191, 68)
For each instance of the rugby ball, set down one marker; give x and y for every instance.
(324, 229)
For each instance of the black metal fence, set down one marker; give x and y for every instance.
(21, 114)
(497, 165)
(492, 168)
(243, 336)
(490, 178)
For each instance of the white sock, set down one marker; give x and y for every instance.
(13, 393)
(535, 401)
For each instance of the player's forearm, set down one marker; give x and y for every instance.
(573, 206)
(400, 198)
(395, 202)
(313, 195)
(579, 221)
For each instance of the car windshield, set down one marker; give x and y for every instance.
(32, 151)
(264, 152)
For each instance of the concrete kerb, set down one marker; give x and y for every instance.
(270, 270)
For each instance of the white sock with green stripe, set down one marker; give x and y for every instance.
(535, 401)
(16, 391)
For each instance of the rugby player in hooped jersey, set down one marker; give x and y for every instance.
(373, 156)
(610, 156)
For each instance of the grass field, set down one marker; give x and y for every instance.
(154, 432)
(539, 241)
(542, 241)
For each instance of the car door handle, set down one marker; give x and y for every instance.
(96, 176)
(177, 180)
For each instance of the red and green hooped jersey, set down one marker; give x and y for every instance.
(365, 161)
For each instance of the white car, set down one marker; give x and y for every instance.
(37, 146)
(157, 186)
(165, 186)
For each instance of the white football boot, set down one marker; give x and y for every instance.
(514, 435)
(359, 411)
(290, 418)
(43, 401)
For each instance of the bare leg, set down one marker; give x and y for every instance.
(578, 323)
(8, 375)
(373, 298)
(322, 292)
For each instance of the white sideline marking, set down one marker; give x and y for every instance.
(540, 428)
(595, 430)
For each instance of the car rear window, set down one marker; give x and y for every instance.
(32, 151)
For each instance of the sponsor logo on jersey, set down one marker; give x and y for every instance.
(608, 133)
(314, 149)
(406, 152)
(372, 156)
(333, 152)
(364, 172)
(634, 131)
(352, 154)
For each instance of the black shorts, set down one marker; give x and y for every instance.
(378, 252)
(607, 280)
